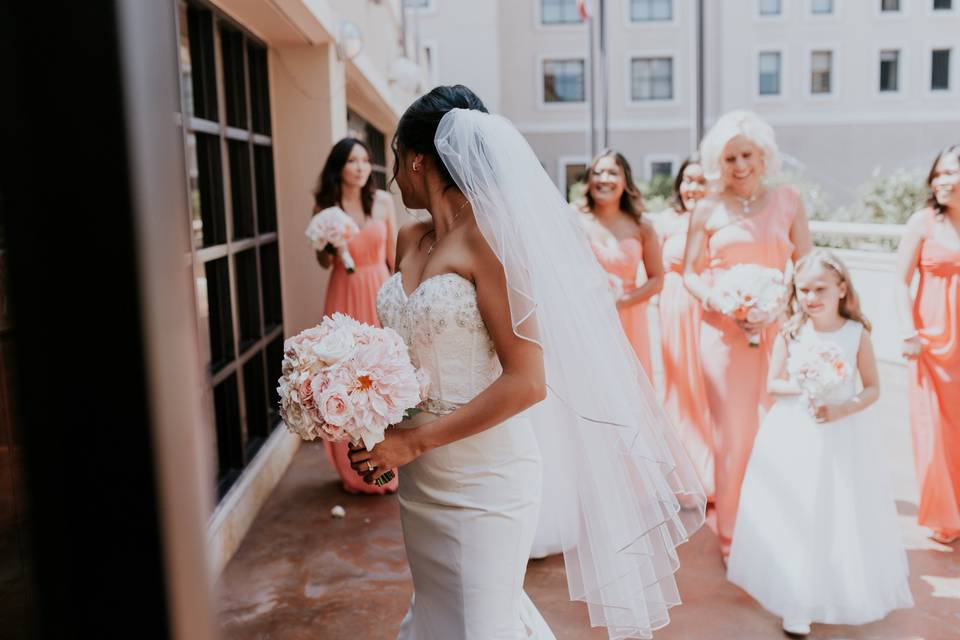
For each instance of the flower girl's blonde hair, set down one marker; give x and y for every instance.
(849, 303)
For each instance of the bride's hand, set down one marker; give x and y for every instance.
(751, 328)
(396, 450)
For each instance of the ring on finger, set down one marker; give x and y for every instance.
(370, 466)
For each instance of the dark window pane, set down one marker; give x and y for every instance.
(270, 279)
(234, 77)
(266, 190)
(259, 88)
(942, 4)
(202, 65)
(218, 312)
(890, 5)
(229, 436)
(889, 70)
(940, 70)
(248, 298)
(241, 188)
(274, 366)
(210, 185)
(255, 401)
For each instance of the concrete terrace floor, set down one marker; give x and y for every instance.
(300, 574)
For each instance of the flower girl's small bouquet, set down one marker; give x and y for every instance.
(819, 369)
(330, 230)
(343, 380)
(752, 293)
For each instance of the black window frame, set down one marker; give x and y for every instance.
(234, 254)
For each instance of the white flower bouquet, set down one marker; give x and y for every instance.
(752, 293)
(331, 230)
(343, 380)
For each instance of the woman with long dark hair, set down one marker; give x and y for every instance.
(346, 182)
(625, 245)
(684, 394)
(931, 341)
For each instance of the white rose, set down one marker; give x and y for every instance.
(335, 347)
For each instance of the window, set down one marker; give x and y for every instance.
(942, 5)
(821, 72)
(651, 79)
(889, 71)
(651, 10)
(821, 7)
(940, 70)
(890, 5)
(768, 80)
(559, 12)
(661, 168)
(563, 81)
(573, 173)
(770, 7)
(235, 253)
(417, 4)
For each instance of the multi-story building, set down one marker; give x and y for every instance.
(850, 86)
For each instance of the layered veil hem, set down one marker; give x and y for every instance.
(621, 493)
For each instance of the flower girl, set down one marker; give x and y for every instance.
(816, 537)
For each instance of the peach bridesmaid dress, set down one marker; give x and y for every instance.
(734, 373)
(684, 394)
(623, 259)
(355, 294)
(935, 385)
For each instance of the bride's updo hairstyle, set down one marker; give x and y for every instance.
(418, 125)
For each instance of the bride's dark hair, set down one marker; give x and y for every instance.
(418, 124)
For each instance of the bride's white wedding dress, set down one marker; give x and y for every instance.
(468, 509)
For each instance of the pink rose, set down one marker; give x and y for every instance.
(335, 408)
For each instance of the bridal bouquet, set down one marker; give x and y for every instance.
(343, 380)
(752, 293)
(331, 230)
(819, 369)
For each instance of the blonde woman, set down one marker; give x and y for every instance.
(741, 221)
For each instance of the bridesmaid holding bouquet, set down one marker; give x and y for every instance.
(740, 222)
(346, 182)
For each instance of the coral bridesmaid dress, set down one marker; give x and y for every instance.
(624, 259)
(355, 294)
(684, 394)
(734, 373)
(935, 384)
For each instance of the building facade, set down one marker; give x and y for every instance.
(266, 89)
(851, 87)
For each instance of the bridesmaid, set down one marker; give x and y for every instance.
(346, 182)
(931, 341)
(684, 395)
(741, 221)
(624, 243)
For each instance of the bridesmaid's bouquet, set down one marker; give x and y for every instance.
(330, 230)
(819, 369)
(752, 293)
(344, 380)
(615, 284)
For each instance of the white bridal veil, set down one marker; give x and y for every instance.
(622, 494)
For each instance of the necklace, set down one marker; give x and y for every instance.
(746, 202)
(452, 222)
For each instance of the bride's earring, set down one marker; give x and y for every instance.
(416, 167)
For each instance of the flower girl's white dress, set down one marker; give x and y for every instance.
(468, 509)
(816, 537)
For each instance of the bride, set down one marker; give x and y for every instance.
(499, 298)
